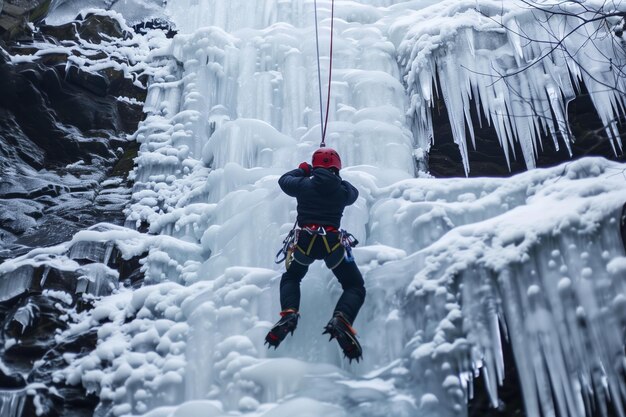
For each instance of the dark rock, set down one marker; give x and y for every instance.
(35, 118)
(53, 58)
(69, 401)
(73, 106)
(33, 321)
(53, 359)
(17, 13)
(17, 216)
(50, 190)
(129, 269)
(130, 115)
(34, 9)
(89, 251)
(41, 11)
(4, 56)
(119, 85)
(143, 79)
(99, 56)
(52, 118)
(96, 28)
(11, 27)
(97, 147)
(160, 24)
(66, 32)
(54, 279)
(127, 162)
(15, 145)
(12, 381)
(14, 10)
(43, 408)
(91, 82)
(488, 159)
(51, 230)
(32, 75)
(23, 50)
(93, 28)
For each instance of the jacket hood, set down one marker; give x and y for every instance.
(325, 178)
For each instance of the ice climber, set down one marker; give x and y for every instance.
(321, 195)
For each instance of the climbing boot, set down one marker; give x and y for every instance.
(339, 328)
(287, 324)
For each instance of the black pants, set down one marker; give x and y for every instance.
(346, 272)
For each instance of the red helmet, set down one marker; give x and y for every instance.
(326, 158)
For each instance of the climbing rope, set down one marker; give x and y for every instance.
(324, 118)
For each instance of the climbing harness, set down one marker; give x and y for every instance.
(290, 245)
(324, 119)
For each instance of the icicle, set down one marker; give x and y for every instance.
(520, 72)
(44, 276)
(12, 403)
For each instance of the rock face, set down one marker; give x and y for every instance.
(63, 129)
(65, 155)
(16, 14)
(487, 158)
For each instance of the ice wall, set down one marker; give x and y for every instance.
(448, 264)
(519, 62)
(538, 256)
(246, 101)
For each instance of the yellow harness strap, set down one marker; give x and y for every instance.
(326, 244)
(308, 251)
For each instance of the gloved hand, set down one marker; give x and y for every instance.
(306, 167)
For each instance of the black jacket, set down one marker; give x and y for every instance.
(321, 197)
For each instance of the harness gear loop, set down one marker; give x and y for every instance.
(348, 241)
(324, 119)
(288, 245)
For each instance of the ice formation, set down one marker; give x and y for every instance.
(521, 63)
(452, 267)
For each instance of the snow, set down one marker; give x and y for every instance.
(452, 266)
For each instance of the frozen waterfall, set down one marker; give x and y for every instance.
(452, 266)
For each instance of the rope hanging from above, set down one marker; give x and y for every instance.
(324, 118)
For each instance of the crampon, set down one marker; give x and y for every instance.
(287, 324)
(339, 328)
